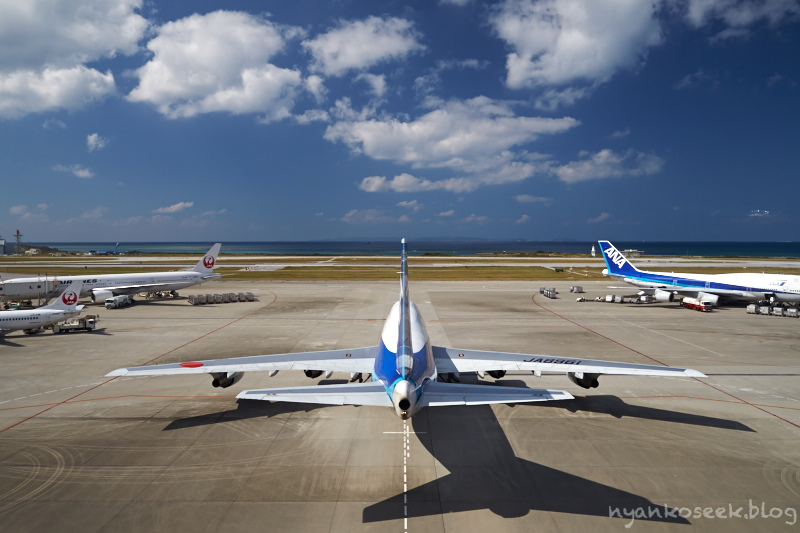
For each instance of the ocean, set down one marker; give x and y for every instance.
(463, 248)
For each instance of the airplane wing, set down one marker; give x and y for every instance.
(132, 289)
(371, 393)
(437, 394)
(353, 360)
(456, 360)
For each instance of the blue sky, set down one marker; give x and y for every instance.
(137, 120)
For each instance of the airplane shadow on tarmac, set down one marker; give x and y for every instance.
(485, 472)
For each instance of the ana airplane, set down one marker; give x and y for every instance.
(66, 306)
(102, 286)
(708, 288)
(407, 372)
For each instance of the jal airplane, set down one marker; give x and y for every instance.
(407, 372)
(66, 306)
(102, 286)
(710, 288)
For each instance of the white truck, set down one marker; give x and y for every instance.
(115, 302)
(80, 323)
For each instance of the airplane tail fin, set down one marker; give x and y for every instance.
(616, 263)
(68, 299)
(404, 349)
(206, 264)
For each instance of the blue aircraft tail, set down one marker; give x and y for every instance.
(404, 349)
(616, 263)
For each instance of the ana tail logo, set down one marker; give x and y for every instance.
(615, 256)
(208, 261)
(69, 298)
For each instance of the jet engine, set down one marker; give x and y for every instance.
(585, 380)
(99, 296)
(663, 296)
(704, 297)
(312, 373)
(496, 374)
(225, 379)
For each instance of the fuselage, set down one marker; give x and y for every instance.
(783, 288)
(404, 373)
(33, 319)
(25, 288)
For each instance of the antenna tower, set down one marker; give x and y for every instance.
(18, 246)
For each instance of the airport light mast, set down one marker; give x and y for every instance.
(18, 246)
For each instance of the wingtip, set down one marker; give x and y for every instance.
(694, 373)
(117, 373)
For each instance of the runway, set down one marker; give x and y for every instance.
(81, 452)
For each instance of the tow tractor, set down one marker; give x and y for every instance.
(81, 323)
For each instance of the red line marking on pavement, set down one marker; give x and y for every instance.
(533, 299)
(274, 298)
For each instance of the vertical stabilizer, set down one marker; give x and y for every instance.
(207, 263)
(404, 350)
(616, 263)
(68, 299)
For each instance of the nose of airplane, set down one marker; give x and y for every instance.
(404, 399)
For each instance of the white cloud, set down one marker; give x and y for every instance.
(522, 219)
(77, 170)
(95, 213)
(447, 213)
(475, 218)
(377, 83)
(560, 42)
(608, 164)
(619, 134)
(52, 123)
(737, 15)
(696, 79)
(601, 217)
(174, 208)
(410, 204)
(217, 62)
(316, 86)
(47, 43)
(95, 142)
(471, 137)
(214, 213)
(18, 209)
(529, 199)
(313, 115)
(362, 44)
(371, 216)
(36, 91)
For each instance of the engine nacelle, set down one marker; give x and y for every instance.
(585, 380)
(664, 296)
(496, 374)
(225, 379)
(706, 298)
(99, 296)
(312, 373)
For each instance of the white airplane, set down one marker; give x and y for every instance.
(66, 306)
(407, 372)
(102, 286)
(708, 288)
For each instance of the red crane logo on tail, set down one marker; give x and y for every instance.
(208, 261)
(69, 298)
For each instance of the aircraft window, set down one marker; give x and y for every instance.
(406, 362)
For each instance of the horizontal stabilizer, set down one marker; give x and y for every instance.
(372, 393)
(438, 394)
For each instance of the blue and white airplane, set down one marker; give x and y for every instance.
(708, 288)
(407, 372)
